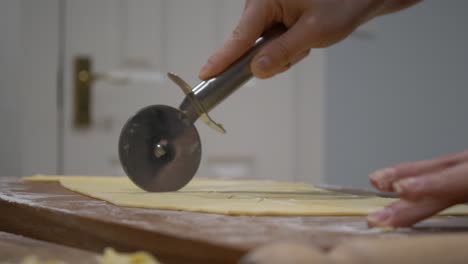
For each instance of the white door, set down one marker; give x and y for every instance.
(273, 127)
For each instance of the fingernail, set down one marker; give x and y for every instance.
(397, 187)
(406, 185)
(263, 64)
(380, 218)
(205, 70)
(383, 177)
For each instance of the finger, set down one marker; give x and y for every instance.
(383, 179)
(282, 51)
(295, 60)
(250, 27)
(405, 213)
(300, 56)
(451, 183)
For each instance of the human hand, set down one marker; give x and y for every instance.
(425, 188)
(311, 24)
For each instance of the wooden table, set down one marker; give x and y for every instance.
(48, 212)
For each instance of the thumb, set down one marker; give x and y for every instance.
(250, 27)
(281, 52)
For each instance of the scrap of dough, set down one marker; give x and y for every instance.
(110, 256)
(231, 197)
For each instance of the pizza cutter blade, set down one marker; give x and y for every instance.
(160, 149)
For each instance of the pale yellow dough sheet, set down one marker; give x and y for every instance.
(231, 197)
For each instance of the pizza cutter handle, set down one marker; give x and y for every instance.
(213, 91)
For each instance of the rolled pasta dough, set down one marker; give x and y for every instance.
(231, 197)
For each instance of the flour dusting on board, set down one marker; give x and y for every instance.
(30, 200)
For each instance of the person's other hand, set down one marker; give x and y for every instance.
(310, 23)
(425, 188)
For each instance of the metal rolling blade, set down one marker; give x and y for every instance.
(160, 149)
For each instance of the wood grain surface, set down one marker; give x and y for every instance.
(49, 212)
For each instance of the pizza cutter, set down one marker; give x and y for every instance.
(159, 147)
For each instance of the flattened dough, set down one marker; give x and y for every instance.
(232, 197)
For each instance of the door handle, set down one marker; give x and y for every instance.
(82, 92)
(85, 77)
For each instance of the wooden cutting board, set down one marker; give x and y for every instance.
(49, 212)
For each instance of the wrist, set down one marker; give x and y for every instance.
(365, 10)
(375, 8)
(391, 6)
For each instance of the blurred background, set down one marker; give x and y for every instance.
(394, 91)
